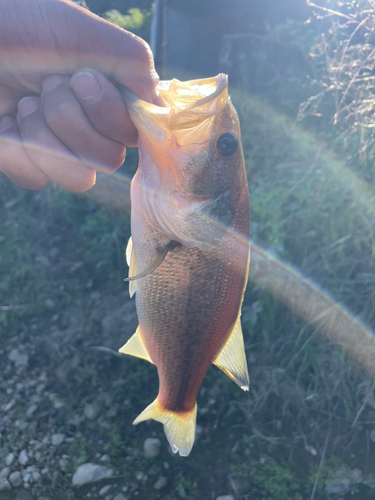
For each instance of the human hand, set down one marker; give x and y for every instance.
(61, 127)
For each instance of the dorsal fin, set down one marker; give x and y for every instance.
(232, 358)
(131, 261)
(136, 347)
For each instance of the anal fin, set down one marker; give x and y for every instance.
(178, 427)
(136, 347)
(232, 358)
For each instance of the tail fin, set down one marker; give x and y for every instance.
(178, 427)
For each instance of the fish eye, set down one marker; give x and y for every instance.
(226, 144)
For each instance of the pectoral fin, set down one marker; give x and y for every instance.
(160, 256)
(136, 347)
(232, 359)
(131, 261)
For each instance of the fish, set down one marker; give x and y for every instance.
(189, 250)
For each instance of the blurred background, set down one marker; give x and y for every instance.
(301, 78)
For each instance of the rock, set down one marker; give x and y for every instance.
(104, 490)
(160, 483)
(15, 478)
(90, 473)
(4, 484)
(31, 410)
(225, 497)
(105, 458)
(372, 435)
(23, 458)
(91, 411)
(19, 359)
(339, 489)
(27, 477)
(57, 479)
(181, 490)
(5, 472)
(120, 496)
(9, 459)
(57, 439)
(151, 447)
(24, 495)
(357, 475)
(36, 476)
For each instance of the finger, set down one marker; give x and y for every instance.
(8, 100)
(69, 123)
(104, 106)
(14, 161)
(48, 152)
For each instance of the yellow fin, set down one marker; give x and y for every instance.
(136, 347)
(178, 427)
(232, 358)
(132, 263)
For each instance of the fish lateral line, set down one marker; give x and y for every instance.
(155, 263)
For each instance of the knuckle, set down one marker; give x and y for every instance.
(59, 113)
(113, 158)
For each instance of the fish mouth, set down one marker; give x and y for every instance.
(184, 104)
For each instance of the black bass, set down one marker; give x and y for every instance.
(189, 252)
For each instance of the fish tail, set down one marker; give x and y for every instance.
(178, 427)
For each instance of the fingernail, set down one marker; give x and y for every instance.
(27, 105)
(51, 82)
(85, 85)
(6, 123)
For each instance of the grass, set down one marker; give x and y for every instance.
(62, 265)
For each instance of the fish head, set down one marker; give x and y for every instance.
(190, 159)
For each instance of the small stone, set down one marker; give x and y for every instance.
(15, 478)
(160, 483)
(151, 447)
(19, 359)
(104, 490)
(49, 303)
(5, 472)
(57, 439)
(26, 477)
(109, 497)
(31, 410)
(44, 471)
(4, 484)
(225, 497)
(90, 473)
(91, 411)
(63, 462)
(181, 490)
(120, 496)
(357, 475)
(36, 476)
(105, 458)
(9, 459)
(23, 458)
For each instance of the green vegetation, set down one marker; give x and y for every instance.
(304, 429)
(137, 21)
